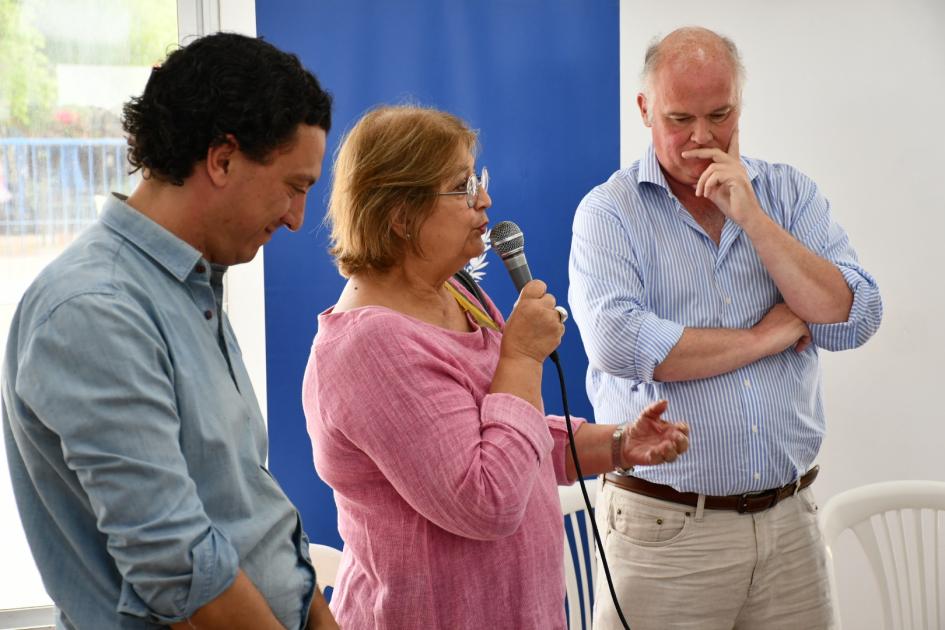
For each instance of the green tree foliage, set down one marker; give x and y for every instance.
(37, 36)
(153, 28)
(27, 85)
(133, 32)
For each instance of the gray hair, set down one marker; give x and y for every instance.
(655, 54)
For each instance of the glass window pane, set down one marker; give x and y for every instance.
(66, 68)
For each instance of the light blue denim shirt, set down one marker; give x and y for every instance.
(136, 446)
(642, 269)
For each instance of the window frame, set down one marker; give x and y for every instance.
(244, 284)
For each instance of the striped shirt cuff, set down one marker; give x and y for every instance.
(862, 321)
(654, 341)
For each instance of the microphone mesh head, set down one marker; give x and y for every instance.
(507, 238)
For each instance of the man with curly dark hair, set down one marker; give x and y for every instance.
(136, 445)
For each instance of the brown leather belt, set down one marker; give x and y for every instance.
(742, 503)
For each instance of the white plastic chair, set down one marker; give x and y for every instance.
(900, 527)
(325, 559)
(580, 602)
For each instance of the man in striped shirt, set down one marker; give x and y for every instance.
(712, 280)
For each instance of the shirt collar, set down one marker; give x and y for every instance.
(651, 172)
(165, 248)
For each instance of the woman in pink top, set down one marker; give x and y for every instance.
(424, 406)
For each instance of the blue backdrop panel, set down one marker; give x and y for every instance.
(538, 78)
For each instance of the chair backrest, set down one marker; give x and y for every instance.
(900, 526)
(580, 563)
(325, 559)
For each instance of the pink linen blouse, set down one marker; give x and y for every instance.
(446, 494)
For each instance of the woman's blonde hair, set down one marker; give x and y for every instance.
(388, 169)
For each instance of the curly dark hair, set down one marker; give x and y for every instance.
(220, 84)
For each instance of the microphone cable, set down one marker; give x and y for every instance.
(509, 243)
(587, 500)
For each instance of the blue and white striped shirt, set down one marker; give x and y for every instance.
(642, 269)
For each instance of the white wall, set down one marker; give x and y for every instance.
(853, 94)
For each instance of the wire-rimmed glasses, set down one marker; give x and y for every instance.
(473, 186)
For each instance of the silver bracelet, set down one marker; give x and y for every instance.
(615, 443)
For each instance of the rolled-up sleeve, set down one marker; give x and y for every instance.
(621, 336)
(813, 225)
(559, 432)
(99, 375)
(866, 313)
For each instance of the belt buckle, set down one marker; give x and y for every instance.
(743, 499)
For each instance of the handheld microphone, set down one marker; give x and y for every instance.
(509, 243)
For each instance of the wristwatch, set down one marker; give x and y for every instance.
(615, 443)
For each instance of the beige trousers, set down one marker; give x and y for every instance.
(679, 567)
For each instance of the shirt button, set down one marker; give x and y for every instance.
(757, 475)
(754, 428)
(200, 268)
(728, 300)
(748, 383)
(208, 314)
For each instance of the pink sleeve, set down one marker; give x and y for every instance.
(466, 465)
(556, 424)
(559, 433)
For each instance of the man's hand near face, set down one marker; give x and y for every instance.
(725, 183)
(811, 286)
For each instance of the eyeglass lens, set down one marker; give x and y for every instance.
(474, 185)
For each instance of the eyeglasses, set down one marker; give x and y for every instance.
(473, 186)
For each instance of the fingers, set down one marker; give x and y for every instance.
(663, 454)
(700, 185)
(677, 443)
(710, 180)
(669, 453)
(538, 290)
(534, 328)
(733, 145)
(547, 301)
(667, 441)
(713, 179)
(540, 309)
(716, 155)
(655, 410)
(802, 344)
(534, 289)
